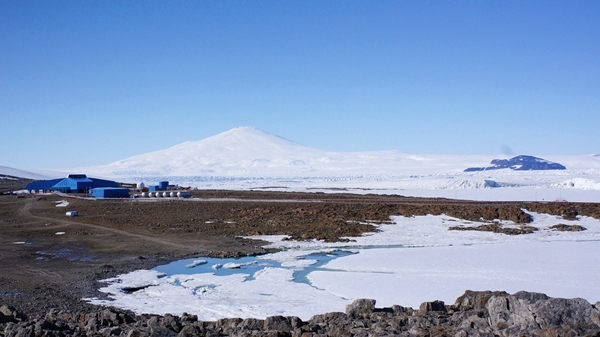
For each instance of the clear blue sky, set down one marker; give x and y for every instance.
(91, 82)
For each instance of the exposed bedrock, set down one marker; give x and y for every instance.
(473, 314)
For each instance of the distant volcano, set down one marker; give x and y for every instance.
(520, 163)
(244, 151)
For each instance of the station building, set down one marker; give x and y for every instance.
(109, 192)
(74, 183)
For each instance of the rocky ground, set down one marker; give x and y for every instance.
(8, 183)
(473, 314)
(48, 262)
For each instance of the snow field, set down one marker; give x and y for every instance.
(414, 260)
(411, 276)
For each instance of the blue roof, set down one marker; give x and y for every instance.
(74, 183)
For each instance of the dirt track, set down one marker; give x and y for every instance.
(41, 268)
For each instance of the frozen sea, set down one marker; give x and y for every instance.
(408, 262)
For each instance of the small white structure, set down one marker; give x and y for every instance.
(72, 214)
(141, 185)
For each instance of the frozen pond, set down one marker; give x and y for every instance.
(249, 265)
(411, 261)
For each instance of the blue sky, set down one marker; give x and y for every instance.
(91, 82)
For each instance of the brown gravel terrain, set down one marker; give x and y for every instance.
(10, 183)
(48, 260)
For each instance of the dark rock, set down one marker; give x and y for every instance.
(110, 331)
(229, 325)
(567, 228)
(531, 296)
(5, 319)
(252, 324)
(160, 331)
(134, 333)
(187, 319)
(172, 323)
(496, 227)
(190, 331)
(360, 307)
(279, 323)
(427, 307)
(295, 322)
(25, 331)
(10, 314)
(520, 163)
(108, 317)
(570, 214)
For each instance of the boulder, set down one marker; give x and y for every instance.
(278, 323)
(427, 307)
(360, 307)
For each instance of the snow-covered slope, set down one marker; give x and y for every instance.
(246, 157)
(247, 151)
(9, 171)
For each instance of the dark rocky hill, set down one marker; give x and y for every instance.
(520, 163)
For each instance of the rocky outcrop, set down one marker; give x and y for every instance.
(561, 227)
(497, 227)
(519, 163)
(473, 314)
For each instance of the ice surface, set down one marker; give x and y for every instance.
(412, 276)
(271, 292)
(413, 260)
(232, 265)
(196, 263)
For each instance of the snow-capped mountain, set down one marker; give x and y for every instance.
(13, 172)
(247, 151)
(246, 157)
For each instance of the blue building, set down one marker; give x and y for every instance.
(42, 185)
(74, 183)
(109, 192)
(162, 186)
